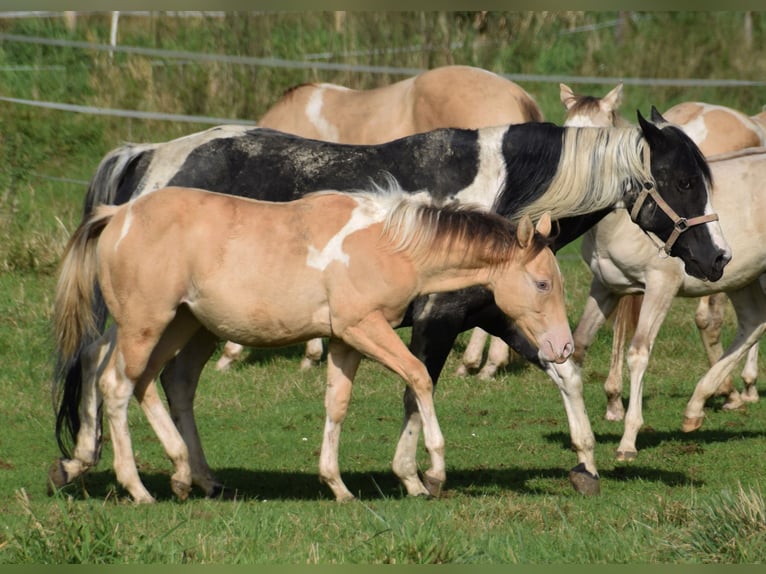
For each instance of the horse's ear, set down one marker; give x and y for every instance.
(652, 133)
(613, 99)
(657, 117)
(525, 232)
(567, 96)
(544, 225)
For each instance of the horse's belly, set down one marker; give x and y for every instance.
(261, 324)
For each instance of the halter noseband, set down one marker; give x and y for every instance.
(680, 224)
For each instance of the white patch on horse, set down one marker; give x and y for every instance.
(326, 130)
(696, 129)
(168, 160)
(125, 225)
(361, 218)
(484, 189)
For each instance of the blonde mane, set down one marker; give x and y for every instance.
(599, 161)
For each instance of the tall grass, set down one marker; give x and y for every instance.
(687, 498)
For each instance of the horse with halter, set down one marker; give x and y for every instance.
(639, 287)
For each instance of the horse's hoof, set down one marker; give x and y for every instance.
(691, 424)
(307, 364)
(180, 489)
(584, 482)
(461, 371)
(614, 413)
(433, 486)
(734, 405)
(216, 490)
(57, 476)
(343, 498)
(626, 455)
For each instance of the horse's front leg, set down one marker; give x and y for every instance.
(750, 305)
(584, 477)
(497, 357)
(658, 297)
(342, 364)
(474, 353)
(374, 337)
(179, 381)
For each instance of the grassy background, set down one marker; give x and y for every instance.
(687, 498)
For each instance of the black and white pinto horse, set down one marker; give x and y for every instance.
(577, 174)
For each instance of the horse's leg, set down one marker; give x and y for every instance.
(749, 376)
(231, 352)
(750, 305)
(658, 297)
(497, 357)
(87, 451)
(474, 353)
(623, 327)
(342, 363)
(709, 317)
(431, 342)
(568, 379)
(313, 354)
(598, 306)
(374, 337)
(179, 380)
(139, 356)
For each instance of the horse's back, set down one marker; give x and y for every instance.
(470, 98)
(450, 96)
(716, 129)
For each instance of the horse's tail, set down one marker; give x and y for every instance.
(626, 318)
(78, 320)
(114, 171)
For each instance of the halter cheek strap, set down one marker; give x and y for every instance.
(680, 224)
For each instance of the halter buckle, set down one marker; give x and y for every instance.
(682, 224)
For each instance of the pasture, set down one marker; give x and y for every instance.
(689, 498)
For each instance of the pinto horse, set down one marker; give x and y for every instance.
(578, 175)
(184, 263)
(622, 269)
(445, 97)
(582, 111)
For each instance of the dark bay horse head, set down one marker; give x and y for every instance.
(676, 205)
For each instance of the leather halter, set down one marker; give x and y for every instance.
(680, 224)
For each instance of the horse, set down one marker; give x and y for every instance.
(444, 97)
(624, 261)
(619, 269)
(582, 111)
(181, 263)
(577, 175)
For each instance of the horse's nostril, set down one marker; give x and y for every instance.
(722, 260)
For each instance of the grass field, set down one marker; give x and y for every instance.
(688, 498)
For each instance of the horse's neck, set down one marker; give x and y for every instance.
(488, 184)
(452, 273)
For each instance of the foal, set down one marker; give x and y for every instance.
(179, 262)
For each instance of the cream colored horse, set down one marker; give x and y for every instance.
(716, 129)
(445, 97)
(179, 263)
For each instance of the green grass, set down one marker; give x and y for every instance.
(688, 498)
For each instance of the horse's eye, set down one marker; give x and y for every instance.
(685, 184)
(543, 286)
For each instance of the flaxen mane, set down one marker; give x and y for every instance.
(597, 161)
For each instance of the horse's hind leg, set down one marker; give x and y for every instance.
(312, 354)
(497, 357)
(231, 352)
(342, 363)
(474, 353)
(749, 376)
(709, 317)
(179, 381)
(87, 451)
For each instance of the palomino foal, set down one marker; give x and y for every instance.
(445, 97)
(181, 261)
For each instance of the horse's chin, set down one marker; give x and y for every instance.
(712, 274)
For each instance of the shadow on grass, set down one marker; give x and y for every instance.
(260, 485)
